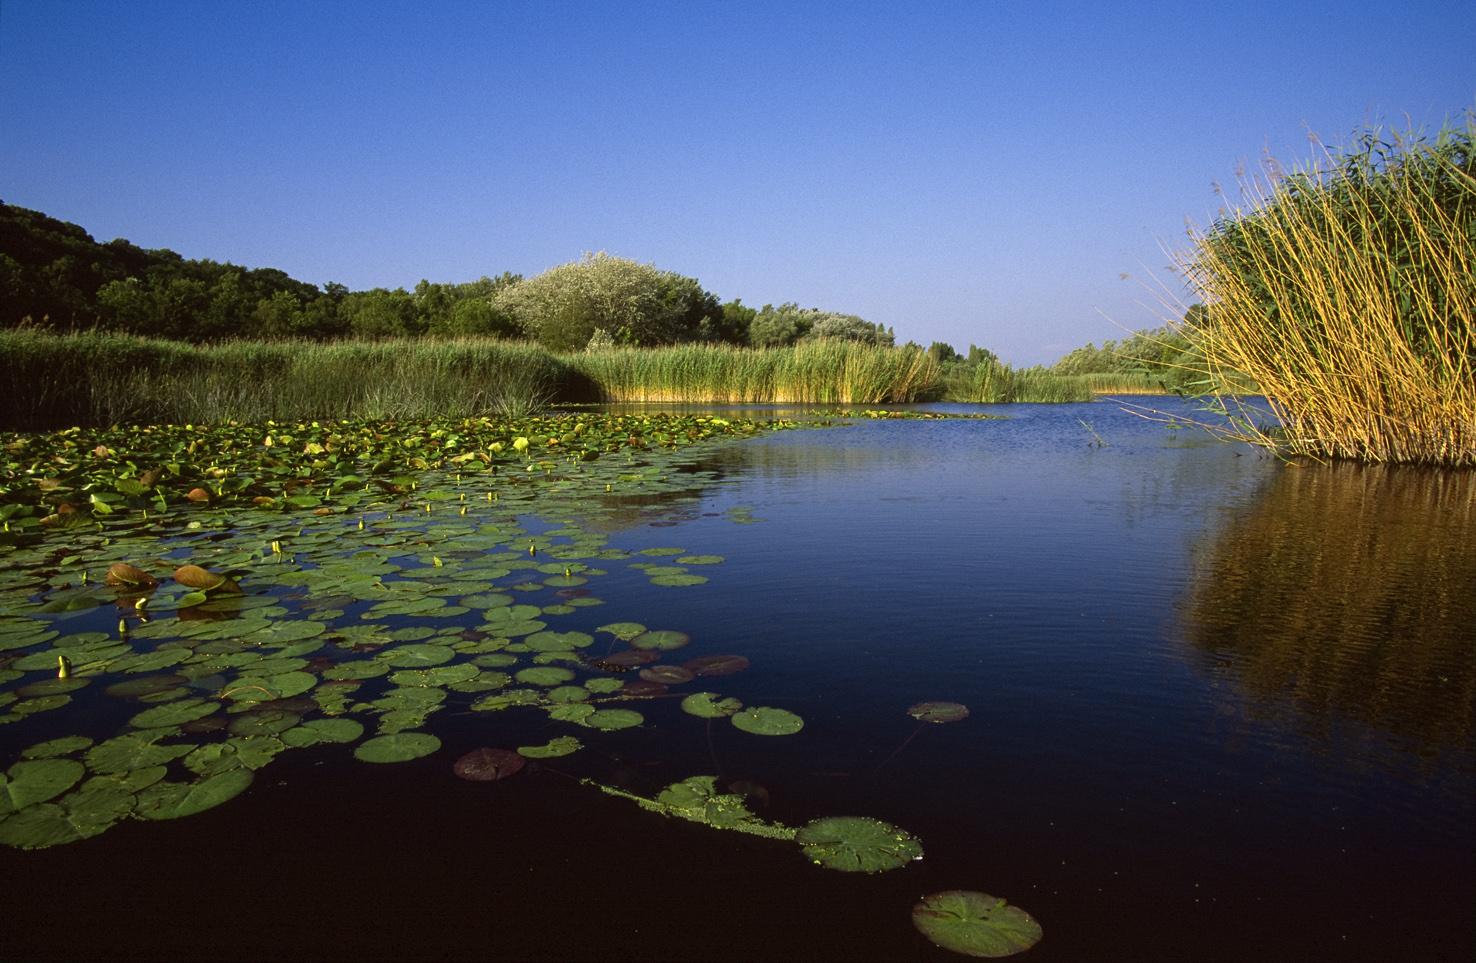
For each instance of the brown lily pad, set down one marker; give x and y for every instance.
(667, 674)
(487, 765)
(128, 576)
(716, 664)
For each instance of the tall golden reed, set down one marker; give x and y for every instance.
(1348, 292)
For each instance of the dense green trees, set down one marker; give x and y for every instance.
(790, 324)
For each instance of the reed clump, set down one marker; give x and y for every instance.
(1347, 291)
(824, 371)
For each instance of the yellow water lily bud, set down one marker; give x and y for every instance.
(63, 667)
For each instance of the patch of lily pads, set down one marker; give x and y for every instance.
(230, 593)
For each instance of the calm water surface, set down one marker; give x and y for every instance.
(1222, 708)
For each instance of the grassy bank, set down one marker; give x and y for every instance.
(1347, 294)
(100, 379)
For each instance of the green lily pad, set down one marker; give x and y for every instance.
(624, 631)
(322, 731)
(678, 581)
(975, 924)
(603, 685)
(610, 719)
(264, 722)
(662, 640)
(710, 705)
(250, 752)
(700, 559)
(560, 746)
(767, 721)
(939, 712)
(575, 712)
(545, 675)
(173, 800)
(438, 676)
(133, 750)
(64, 746)
(174, 713)
(568, 693)
(418, 656)
(397, 747)
(36, 781)
(39, 827)
(858, 844)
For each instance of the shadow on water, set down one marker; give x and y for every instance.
(1348, 593)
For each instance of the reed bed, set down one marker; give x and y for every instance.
(102, 379)
(1348, 293)
(815, 372)
(94, 378)
(994, 383)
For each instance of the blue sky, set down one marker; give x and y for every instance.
(966, 172)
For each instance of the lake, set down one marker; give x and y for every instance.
(1220, 707)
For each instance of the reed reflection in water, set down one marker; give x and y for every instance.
(1349, 593)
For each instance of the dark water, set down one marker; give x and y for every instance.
(1222, 708)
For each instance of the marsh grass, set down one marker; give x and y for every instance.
(94, 378)
(815, 372)
(1348, 293)
(101, 379)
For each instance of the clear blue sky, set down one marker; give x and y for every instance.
(968, 172)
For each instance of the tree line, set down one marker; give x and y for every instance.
(55, 276)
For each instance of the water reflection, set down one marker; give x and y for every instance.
(1352, 591)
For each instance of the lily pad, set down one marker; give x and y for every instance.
(174, 714)
(975, 924)
(545, 675)
(767, 721)
(173, 800)
(667, 674)
(560, 746)
(487, 765)
(624, 631)
(610, 719)
(64, 746)
(710, 705)
(397, 747)
(36, 781)
(663, 640)
(939, 712)
(322, 730)
(714, 665)
(858, 844)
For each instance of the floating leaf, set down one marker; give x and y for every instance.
(624, 631)
(710, 705)
(939, 712)
(133, 750)
(561, 746)
(678, 580)
(610, 719)
(663, 640)
(173, 800)
(714, 665)
(767, 721)
(127, 576)
(858, 844)
(700, 559)
(36, 781)
(975, 924)
(629, 659)
(173, 714)
(667, 674)
(64, 746)
(487, 765)
(397, 747)
(195, 577)
(322, 730)
(545, 675)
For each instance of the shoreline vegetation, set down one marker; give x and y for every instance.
(1342, 292)
(96, 379)
(1347, 290)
